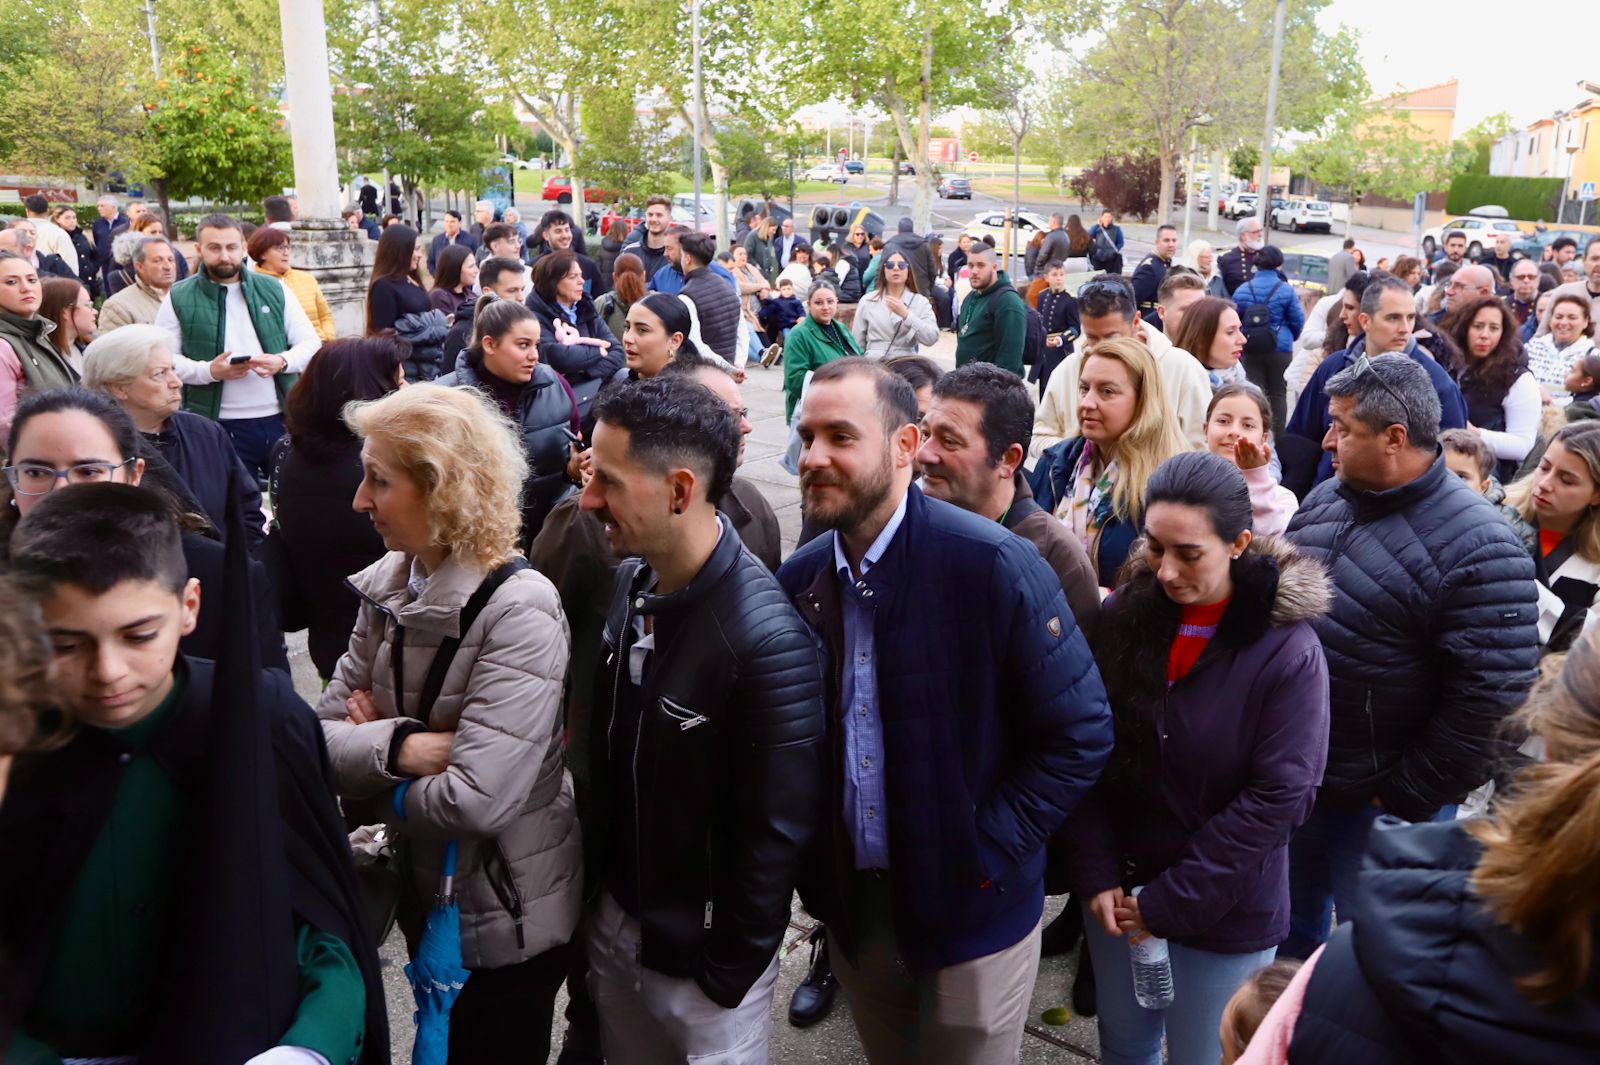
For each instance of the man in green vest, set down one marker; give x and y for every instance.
(242, 343)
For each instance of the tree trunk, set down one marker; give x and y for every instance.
(922, 209)
(1350, 209)
(1016, 174)
(1168, 179)
(894, 174)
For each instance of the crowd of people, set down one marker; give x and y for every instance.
(1222, 611)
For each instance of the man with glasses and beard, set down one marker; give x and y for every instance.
(970, 722)
(242, 343)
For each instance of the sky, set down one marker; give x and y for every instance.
(1499, 50)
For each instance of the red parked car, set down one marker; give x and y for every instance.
(560, 190)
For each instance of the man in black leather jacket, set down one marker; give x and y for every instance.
(706, 742)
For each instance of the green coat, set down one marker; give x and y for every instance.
(201, 307)
(42, 366)
(993, 326)
(807, 347)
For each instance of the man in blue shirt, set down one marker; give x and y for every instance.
(970, 722)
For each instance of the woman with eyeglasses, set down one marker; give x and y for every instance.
(818, 339)
(72, 436)
(894, 318)
(858, 247)
(133, 365)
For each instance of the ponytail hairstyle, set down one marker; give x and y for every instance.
(674, 315)
(493, 317)
(1541, 847)
(1206, 482)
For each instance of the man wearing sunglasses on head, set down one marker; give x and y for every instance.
(1387, 319)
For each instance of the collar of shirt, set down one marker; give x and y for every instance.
(879, 546)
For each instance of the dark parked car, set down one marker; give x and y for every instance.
(1532, 245)
(855, 166)
(907, 168)
(955, 188)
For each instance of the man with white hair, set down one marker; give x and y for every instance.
(22, 239)
(155, 269)
(482, 217)
(1239, 264)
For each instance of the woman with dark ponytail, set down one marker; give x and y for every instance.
(1219, 693)
(503, 361)
(1477, 938)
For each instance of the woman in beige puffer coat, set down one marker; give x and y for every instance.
(443, 475)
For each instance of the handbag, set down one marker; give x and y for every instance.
(381, 856)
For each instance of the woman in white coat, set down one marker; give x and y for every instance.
(894, 318)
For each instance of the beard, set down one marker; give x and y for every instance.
(223, 271)
(860, 498)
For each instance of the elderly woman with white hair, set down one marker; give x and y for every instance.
(133, 365)
(1201, 257)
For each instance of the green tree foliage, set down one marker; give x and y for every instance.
(211, 134)
(1242, 162)
(1470, 152)
(81, 110)
(619, 151)
(1366, 149)
(1149, 72)
(25, 41)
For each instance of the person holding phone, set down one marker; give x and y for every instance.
(242, 342)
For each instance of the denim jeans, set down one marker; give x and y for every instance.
(1324, 862)
(1202, 983)
(253, 439)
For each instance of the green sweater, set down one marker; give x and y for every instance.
(993, 326)
(807, 347)
(105, 973)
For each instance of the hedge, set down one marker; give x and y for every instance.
(1528, 199)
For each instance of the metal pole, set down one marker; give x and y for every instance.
(1264, 201)
(1189, 193)
(155, 48)
(699, 106)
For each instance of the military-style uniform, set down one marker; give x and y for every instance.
(1147, 280)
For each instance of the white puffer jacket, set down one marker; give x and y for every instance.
(506, 795)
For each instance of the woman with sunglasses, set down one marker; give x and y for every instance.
(894, 318)
(858, 247)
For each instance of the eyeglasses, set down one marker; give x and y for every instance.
(1363, 365)
(37, 479)
(898, 264)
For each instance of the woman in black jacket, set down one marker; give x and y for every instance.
(317, 540)
(504, 361)
(1477, 939)
(397, 288)
(573, 339)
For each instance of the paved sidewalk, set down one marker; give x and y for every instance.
(833, 1041)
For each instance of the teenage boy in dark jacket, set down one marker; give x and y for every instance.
(706, 741)
(968, 723)
(189, 895)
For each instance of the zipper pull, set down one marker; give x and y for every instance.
(708, 913)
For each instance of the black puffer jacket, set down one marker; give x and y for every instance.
(1427, 976)
(721, 753)
(425, 332)
(578, 363)
(542, 409)
(717, 306)
(1431, 642)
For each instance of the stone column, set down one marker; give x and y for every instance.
(339, 257)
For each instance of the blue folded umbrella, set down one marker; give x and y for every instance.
(436, 973)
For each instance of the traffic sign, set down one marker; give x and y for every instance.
(843, 154)
(972, 157)
(1586, 191)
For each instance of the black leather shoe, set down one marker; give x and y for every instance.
(1083, 995)
(1063, 933)
(814, 997)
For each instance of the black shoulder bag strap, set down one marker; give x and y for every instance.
(433, 684)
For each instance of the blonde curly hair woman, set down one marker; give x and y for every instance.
(446, 709)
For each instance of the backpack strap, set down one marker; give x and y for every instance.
(433, 684)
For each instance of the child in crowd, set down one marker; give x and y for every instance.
(189, 894)
(1238, 427)
(780, 312)
(1583, 380)
(1469, 458)
(1248, 1007)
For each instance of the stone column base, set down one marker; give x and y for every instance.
(340, 258)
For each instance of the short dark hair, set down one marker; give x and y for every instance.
(1269, 258)
(700, 247)
(1392, 390)
(217, 220)
(897, 400)
(1377, 285)
(1561, 242)
(1104, 295)
(277, 209)
(658, 200)
(491, 269)
(1456, 234)
(1349, 242)
(1163, 227)
(96, 536)
(453, 213)
(1002, 397)
(498, 231)
(351, 369)
(549, 271)
(676, 422)
(1358, 282)
(919, 371)
(1468, 443)
(1594, 242)
(35, 203)
(1206, 482)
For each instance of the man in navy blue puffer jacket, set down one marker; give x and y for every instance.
(1431, 641)
(967, 720)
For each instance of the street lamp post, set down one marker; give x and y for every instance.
(699, 104)
(1264, 201)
